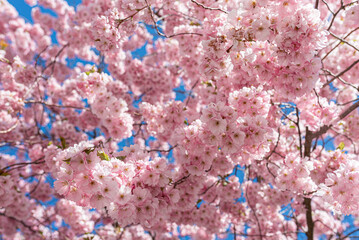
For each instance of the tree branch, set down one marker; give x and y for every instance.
(341, 73)
(309, 218)
(158, 31)
(52, 105)
(209, 8)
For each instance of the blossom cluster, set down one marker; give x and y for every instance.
(105, 105)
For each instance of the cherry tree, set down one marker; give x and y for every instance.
(238, 121)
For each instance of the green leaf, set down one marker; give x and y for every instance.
(121, 158)
(89, 238)
(91, 71)
(194, 23)
(67, 161)
(103, 155)
(341, 146)
(63, 143)
(89, 150)
(2, 173)
(209, 84)
(292, 126)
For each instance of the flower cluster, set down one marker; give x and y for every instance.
(296, 175)
(338, 188)
(104, 104)
(162, 120)
(105, 31)
(78, 218)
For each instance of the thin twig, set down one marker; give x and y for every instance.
(53, 105)
(120, 21)
(20, 164)
(38, 56)
(338, 44)
(20, 221)
(341, 73)
(55, 59)
(181, 180)
(299, 132)
(255, 215)
(190, 92)
(11, 128)
(161, 150)
(37, 185)
(208, 8)
(339, 78)
(162, 34)
(205, 191)
(346, 103)
(344, 41)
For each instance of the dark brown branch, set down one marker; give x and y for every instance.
(350, 233)
(326, 4)
(309, 136)
(342, 7)
(299, 132)
(309, 218)
(205, 191)
(349, 110)
(346, 103)
(181, 180)
(298, 128)
(234, 232)
(153, 235)
(21, 165)
(339, 78)
(123, 230)
(139, 128)
(161, 150)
